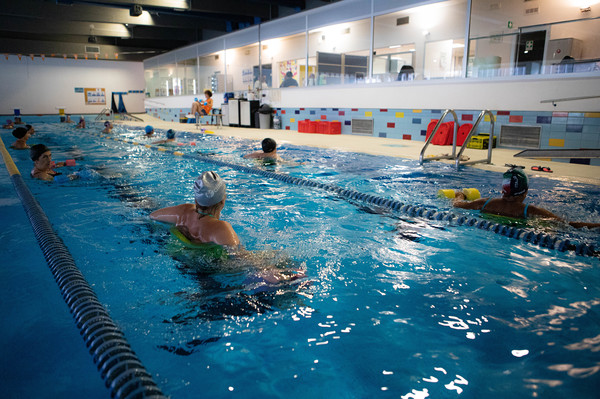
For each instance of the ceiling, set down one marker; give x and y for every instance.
(109, 30)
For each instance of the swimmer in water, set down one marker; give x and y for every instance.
(149, 131)
(42, 163)
(269, 150)
(69, 120)
(200, 222)
(22, 135)
(81, 124)
(107, 127)
(30, 130)
(9, 124)
(170, 138)
(514, 190)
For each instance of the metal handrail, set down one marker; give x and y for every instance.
(457, 161)
(558, 100)
(103, 112)
(433, 132)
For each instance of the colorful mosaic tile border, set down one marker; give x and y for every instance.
(571, 130)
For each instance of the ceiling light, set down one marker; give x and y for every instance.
(135, 10)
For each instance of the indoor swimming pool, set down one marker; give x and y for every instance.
(392, 305)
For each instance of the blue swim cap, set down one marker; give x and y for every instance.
(170, 134)
(196, 99)
(149, 129)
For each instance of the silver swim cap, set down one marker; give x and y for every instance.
(209, 189)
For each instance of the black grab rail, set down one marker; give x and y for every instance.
(120, 368)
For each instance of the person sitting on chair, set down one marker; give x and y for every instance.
(203, 108)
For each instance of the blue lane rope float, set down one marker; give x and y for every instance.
(122, 371)
(526, 235)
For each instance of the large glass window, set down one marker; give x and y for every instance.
(340, 53)
(531, 37)
(240, 66)
(284, 56)
(428, 41)
(188, 74)
(211, 74)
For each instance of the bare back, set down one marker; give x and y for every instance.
(198, 228)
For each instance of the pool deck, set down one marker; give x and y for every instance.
(388, 147)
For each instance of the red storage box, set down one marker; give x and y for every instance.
(313, 127)
(303, 126)
(323, 127)
(334, 128)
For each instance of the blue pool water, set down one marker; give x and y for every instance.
(393, 306)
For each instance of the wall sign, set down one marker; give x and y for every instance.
(95, 96)
(79, 90)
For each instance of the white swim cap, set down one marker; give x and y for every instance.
(209, 189)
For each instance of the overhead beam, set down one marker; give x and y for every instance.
(232, 7)
(93, 13)
(19, 24)
(37, 47)
(171, 4)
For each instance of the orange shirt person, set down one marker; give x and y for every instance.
(204, 107)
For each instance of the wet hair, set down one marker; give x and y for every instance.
(208, 92)
(268, 145)
(19, 132)
(36, 151)
(170, 134)
(514, 182)
(28, 127)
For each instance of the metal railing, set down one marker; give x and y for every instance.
(457, 161)
(432, 135)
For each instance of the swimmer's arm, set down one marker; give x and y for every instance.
(159, 142)
(461, 202)
(170, 214)
(544, 213)
(253, 155)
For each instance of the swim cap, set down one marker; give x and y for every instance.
(81, 118)
(36, 151)
(514, 182)
(170, 134)
(196, 99)
(28, 127)
(19, 132)
(149, 129)
(107, 123)
(209, 189)
(268, 145)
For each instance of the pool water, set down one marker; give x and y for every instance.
(392, 306)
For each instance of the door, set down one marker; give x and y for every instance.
(530, 52)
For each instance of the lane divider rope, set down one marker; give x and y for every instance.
(119, 367)
(531, 236)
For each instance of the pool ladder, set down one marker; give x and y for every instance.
(456, 156)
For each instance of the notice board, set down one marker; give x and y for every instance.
(95, 96)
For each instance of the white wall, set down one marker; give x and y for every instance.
(40, 86)
(518, 93)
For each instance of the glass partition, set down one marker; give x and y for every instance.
(284, 56)
(188, 74)
(527, 38)
(425, 42)
(240, 66)
(340, 53)
(211, 74)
